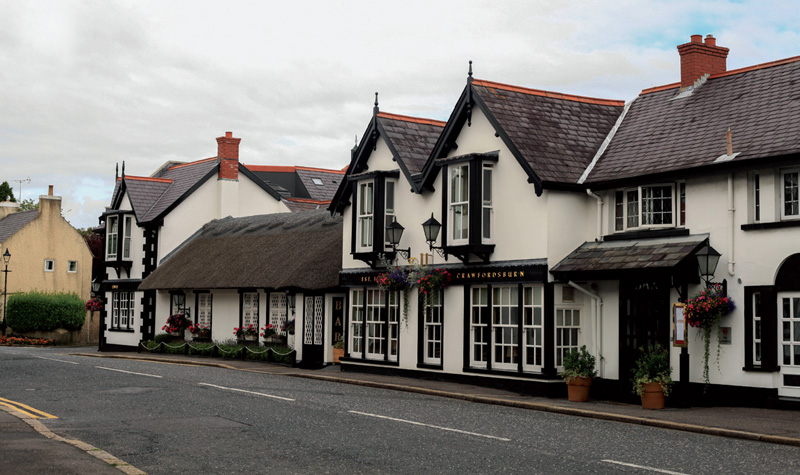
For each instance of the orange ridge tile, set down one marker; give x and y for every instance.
(543, 93)
(146, 178)
(306, 200)
(405, 118)
(191, 163)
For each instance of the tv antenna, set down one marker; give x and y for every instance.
(27, 180)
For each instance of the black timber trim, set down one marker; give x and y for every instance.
(483, 157)
(462, 252)
(647, 234)
(358, 163)
(769, 328)
(771, 225)
(446, 140)
(548, 342)
(373, 174)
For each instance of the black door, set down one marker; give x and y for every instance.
(313, 330)
(644, 320)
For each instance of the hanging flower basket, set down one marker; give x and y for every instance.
(704, 311)
(395, 280)
(431, 282)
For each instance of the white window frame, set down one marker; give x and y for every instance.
(533, 328)
(376, 327)
(487, 207)
(205, 305)
(123, 306)
(389, 203)
(794, 198)
(126, 237)
(72, 267)
(635, 215)
(567, 329)
(458, 204)
(757, 329)
(365, 210)
(432, 330)
(250, 309)
(357, 315)
(504, 341)
(112, 234)
(49, 265)
(789, 332)
(480, 341)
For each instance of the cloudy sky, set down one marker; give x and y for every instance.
(85, 85)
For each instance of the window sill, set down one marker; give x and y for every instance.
(121, 330)
(430, 366)
(772, 225)
(762, 369)
(515, 374)
(350, 359)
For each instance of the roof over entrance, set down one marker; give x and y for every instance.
(611, 260)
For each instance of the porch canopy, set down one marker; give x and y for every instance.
(282, 251)
(622, 258)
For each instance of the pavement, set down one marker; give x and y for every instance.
(24, 438)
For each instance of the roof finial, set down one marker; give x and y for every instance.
(116, 172)
(469, 75)
(375, 109)
(355, 140)
(123, 169)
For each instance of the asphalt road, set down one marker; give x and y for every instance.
(164, 418)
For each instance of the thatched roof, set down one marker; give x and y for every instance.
(276, 251)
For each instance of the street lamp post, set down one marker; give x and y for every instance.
(6, 259)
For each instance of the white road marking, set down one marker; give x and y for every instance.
(431, 426)
(245, 391)
(129, 372)
(53, 359)
(652, 469)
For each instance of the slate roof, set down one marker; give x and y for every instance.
(298, 182)
(14, 222)
(275, 251)
(330, 182)
(628, 255)
(413, 138)
(556, 134)
(183, 178)
(661, 134)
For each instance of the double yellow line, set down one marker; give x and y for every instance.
(25, 409)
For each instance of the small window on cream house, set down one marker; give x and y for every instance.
(72, 266)
(49, 265)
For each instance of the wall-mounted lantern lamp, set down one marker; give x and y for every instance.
(394, 232)
(431, 228)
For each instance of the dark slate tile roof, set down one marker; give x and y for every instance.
(556, 134)
(412, 137)
(330, 182)
(759, 103)
(152, 196)
(629, 254)
(14, 222)
(235, 253)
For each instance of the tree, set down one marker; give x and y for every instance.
(27, 205)
(6, 192)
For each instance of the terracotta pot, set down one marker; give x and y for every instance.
(578, 389)
(337, 353)
(652, 396)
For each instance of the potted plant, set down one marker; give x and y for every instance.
(652, 378)
(579, 369)
(704, 311)
(176, 324)
(200, 331)
(338, 350)
(269, 334)
(248, 333)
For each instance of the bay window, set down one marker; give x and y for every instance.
(459, 204)
(126, 239)
(112, 230)
(374, 199)
(366, 192)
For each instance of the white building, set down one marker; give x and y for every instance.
(573, 221)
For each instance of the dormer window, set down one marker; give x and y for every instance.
(653, 206)
(469, 204)
(111, 237)
(374, 210)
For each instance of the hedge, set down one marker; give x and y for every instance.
(32, 311)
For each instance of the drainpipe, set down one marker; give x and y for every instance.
(599, 214)
(731, 211)
(598, 331)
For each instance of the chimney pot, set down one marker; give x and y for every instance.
(698, 59)
(697, 38)
(228, 135)
(50, 190)
(711, 41)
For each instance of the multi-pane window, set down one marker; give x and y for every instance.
(649, 206)
(250, 309)
(432, 330)
(365, 214)
(486, 222)
(459, 203)
(756, 198)
(479, 326)
(375, 324)
(204, 301)
(126, 237)
(505, 325)
(791, 195)
(388, 212)
(122, 308)
(394, 324)
(533, 327)
(568, 324)
(790, 334)
(356, 322)
(757, 328)
(111, 237)
(277, 311)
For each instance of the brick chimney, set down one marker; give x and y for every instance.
(228, 154)
(699, 58)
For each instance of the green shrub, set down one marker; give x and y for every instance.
(162, 337)
(39, 311)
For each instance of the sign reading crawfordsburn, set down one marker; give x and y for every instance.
(463, 275)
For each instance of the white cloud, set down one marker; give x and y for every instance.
(86, 85)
